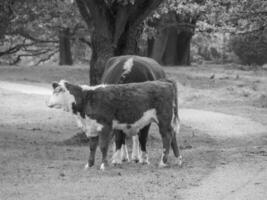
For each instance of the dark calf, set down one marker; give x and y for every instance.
(125, 107)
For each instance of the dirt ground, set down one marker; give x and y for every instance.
(223, 140)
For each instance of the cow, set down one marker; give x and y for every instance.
(126, 107)
(130, 69)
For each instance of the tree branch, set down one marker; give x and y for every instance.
(26, 35)
(46, 58)
(142, 9)
(15, 49)
(37, 53)
(121, 19)
(85, 13)
(83, 40)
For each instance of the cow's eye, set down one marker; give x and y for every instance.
(61, 90)
(55, 92)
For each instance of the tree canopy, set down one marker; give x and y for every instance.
(31, 27)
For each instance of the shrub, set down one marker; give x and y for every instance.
(211, 47)
(251, 48)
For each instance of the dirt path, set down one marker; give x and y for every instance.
(24, 88)
(214, 123)
(227, 158)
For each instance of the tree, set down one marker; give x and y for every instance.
(40, 29)
(65, 57)
(174, 23)
(117, 26)
(5, 16)
(250, 39)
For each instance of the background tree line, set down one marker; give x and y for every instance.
(174, 32)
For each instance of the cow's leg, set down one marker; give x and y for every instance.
(104, 138)
(135, 151)
(93, 142)
(124, 150)
(166, 135)
(121, 152)
(176, 150)
(143, 140)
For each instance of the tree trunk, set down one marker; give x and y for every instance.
(102, 50)
(150, 44)
(115, 27)
(65, 56)
(6, 13)
(159, 45)
(172, 47)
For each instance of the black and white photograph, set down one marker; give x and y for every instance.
(133, 99)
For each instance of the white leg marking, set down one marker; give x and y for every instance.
(180, 161)
(114, 148)
(124, 153)
(135, 152)
(116, 158)
(86, 166)
(144, 158)
(102, 166)
(161, 163)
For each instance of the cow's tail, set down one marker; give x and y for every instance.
(175, 115)
(175, 123)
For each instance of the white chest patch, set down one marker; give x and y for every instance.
(80, 122)
(92, 127)
(133, 129)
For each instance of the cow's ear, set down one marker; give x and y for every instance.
(55, 85)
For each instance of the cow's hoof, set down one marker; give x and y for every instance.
(163, 165)
(102, 167)
(125, 160)
(86, 166)
(124, 154)
(116, 162)
(116, 158)
(144, 158)
(144, 162)
(135, 160)
(180, 161)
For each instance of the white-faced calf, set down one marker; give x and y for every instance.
(127, 107)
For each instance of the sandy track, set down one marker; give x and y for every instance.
(228, 159)
(220, 124)
(24, 88)
(214, 123)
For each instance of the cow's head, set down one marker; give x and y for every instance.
(61, 98)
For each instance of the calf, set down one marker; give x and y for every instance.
(125, 107)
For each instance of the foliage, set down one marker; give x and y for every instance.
(30, 27)
(251, 47)
(34, 27)
(249, 41)
(213, 47)
(244, 20)
(248, 15)
(175, 12)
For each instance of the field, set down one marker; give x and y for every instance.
(223, 110)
